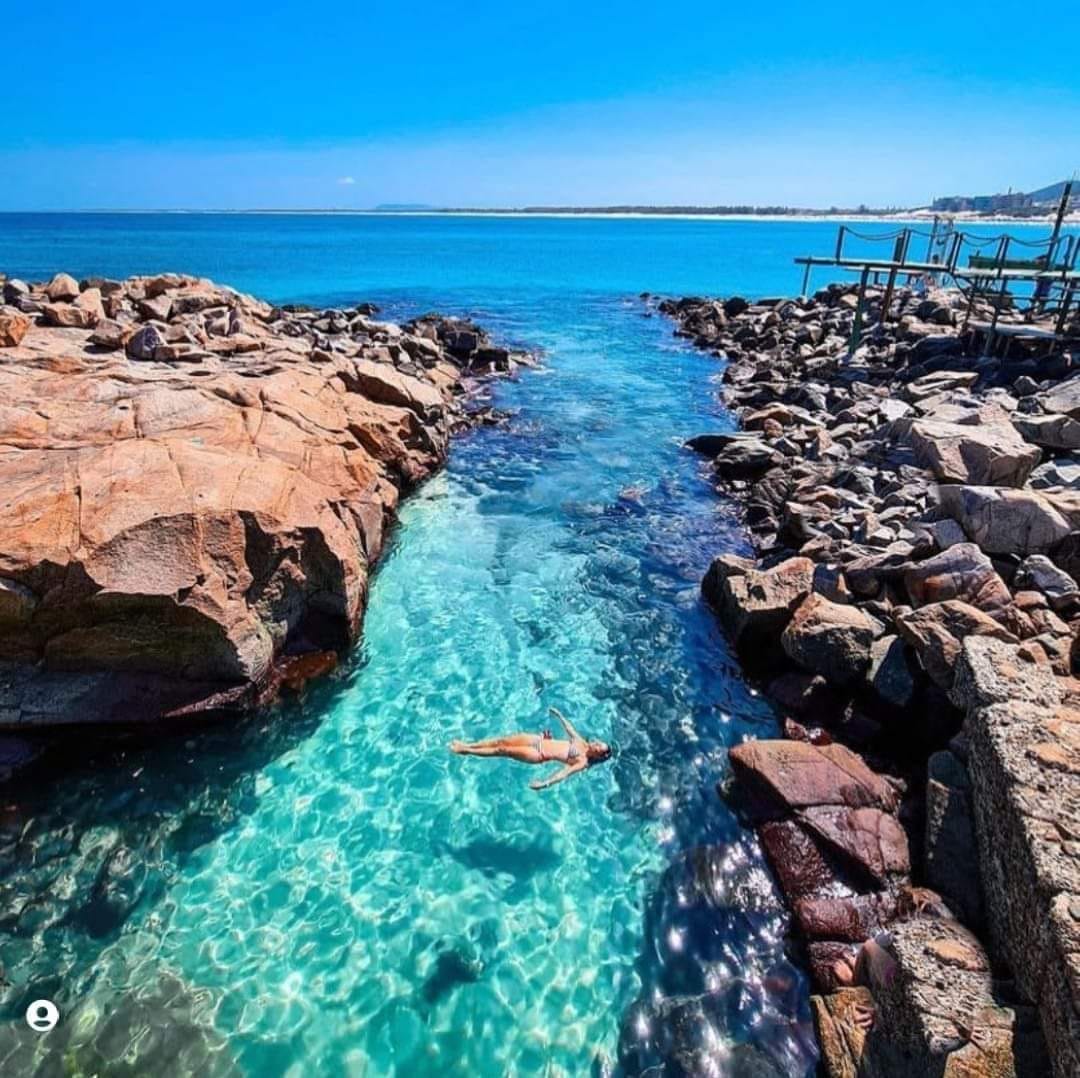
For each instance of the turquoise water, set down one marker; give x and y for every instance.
(323, 889)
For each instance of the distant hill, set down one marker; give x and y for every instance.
(1048, 194)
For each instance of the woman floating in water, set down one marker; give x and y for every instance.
(575, 754)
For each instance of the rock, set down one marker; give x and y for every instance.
(756, 605)
(830, 639)
(62, 288)
(734, 306)
(385, 385)
(936, 632)
(962, 453)
(1049, 431)
(1062, 472)
(991, 671)
(867, 840)
(946, 533)
(68, 316)
(167, 538)
(111, 335)
(1041, 574)
(952, 866)
(1064, 398)
(960, 572)
(744, 458)
(145, 342)
(14, 290)
(889, 675)
(13, 327)
(781, 776)
(1005, 521)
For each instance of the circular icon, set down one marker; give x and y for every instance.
(42, 1015)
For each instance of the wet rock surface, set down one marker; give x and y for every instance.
(914, 596)
(196, 484)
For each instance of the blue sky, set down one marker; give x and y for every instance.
(350, 105)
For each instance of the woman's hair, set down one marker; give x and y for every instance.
(597, 751)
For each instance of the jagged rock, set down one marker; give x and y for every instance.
(961, 572)
(111, 335)
(937, 631)
(1062, 472)
(756, 605)
(1049, 431)
(974, 455)
(831, 639)
(1041, 574)
(13, 327)
(69, 316)
(1005, 521)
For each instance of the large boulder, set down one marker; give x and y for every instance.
(756, 605)
(937, 631)
(781, 776)
(1006, 521)
(168, 539)
(830, 639)
(961, 572)
(990, 455)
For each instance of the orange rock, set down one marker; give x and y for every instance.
(155, 524)
(13, 327)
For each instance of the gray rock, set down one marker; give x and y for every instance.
(889, 675)
(993, 455)
(1005, 521)
(145, 342)
(830, 639)
(1039, 573)
(1061, 472)
(1049, 431)
(1064, 398)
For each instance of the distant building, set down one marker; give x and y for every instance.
(1009, 202)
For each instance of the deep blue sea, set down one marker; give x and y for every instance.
(324, 889)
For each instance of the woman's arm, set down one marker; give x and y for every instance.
(570, 731)
(557, 777)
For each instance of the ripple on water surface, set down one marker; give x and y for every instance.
(326, 890)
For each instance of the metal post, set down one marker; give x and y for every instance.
(856, 328)
(1043, 287)
(806, 279)
(840, 242)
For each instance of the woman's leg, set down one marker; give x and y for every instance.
(521, 747)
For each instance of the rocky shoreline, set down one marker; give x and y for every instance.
(196, 484)
(912, 610)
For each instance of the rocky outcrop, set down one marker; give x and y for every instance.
(908, 481)
(196, 488)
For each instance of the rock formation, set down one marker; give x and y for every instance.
(195, 485)
(915, 606)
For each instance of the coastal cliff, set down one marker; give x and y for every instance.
(912, 609)
(195, 485)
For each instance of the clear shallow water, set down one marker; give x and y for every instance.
(324, 889)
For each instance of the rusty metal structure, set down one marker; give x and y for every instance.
(1038, 282)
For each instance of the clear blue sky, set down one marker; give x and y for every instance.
(238, 105)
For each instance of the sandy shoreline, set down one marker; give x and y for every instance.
(914, 217)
